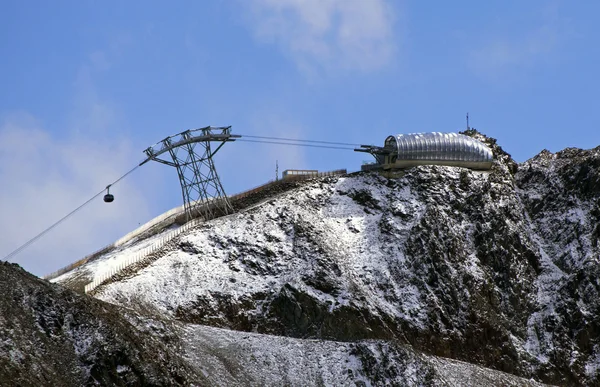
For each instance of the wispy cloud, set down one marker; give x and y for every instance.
(500, 54)
(91, 113)
(44, 178)
(47, 174)
(328, 34)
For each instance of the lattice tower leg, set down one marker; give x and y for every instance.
(203, 194)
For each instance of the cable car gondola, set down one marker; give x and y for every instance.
(108, 198)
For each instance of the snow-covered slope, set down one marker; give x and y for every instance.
(106, 263)
(562, 195)
(233, 358)
(498, 268)
(52, 336)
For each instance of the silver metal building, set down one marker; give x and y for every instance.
(409, 150)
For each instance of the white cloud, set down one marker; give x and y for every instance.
(44, 178)
(46, 174)
(501, 54)
(99, 60)
(328, 34)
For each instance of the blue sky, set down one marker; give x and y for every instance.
(85, 86)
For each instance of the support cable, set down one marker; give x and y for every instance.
(259, 139)
(38, 236)
(289, 143)
(299, 140)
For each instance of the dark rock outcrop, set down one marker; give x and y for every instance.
(52, 336)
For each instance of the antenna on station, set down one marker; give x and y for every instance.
(276, 170)
(468, 128)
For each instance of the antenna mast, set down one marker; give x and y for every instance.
(468, 121)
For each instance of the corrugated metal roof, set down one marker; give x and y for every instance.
(436, 146)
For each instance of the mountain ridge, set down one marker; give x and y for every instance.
(437, 233)
(498, 268)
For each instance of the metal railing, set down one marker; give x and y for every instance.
(175, 212)
(141, 255)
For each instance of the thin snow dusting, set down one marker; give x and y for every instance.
(230, 358)
(257, 251)
(540, 341)
(592, 367)
(559, 232)
(113, 259)
(441, 252)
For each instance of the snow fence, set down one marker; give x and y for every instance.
(174, 213)
(140, 255)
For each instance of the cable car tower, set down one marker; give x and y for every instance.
(192, 154)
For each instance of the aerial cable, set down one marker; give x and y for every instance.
(279, 141)
(299, 140)
(290, 143)
(38, 236)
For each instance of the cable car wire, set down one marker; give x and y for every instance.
(38, 236)
(259, 139)
(289, 143)
(299, 140)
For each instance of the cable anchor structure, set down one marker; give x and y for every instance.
(191, 153)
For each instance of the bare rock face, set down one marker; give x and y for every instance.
(496, 268)
(52, 336)
(561, 193)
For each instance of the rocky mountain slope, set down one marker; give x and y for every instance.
(363, 280)
(52, 336)
(494, 268)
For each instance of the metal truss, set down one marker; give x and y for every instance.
(192, 154)
(376, 151)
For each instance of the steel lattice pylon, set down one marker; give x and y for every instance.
(192, 155)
